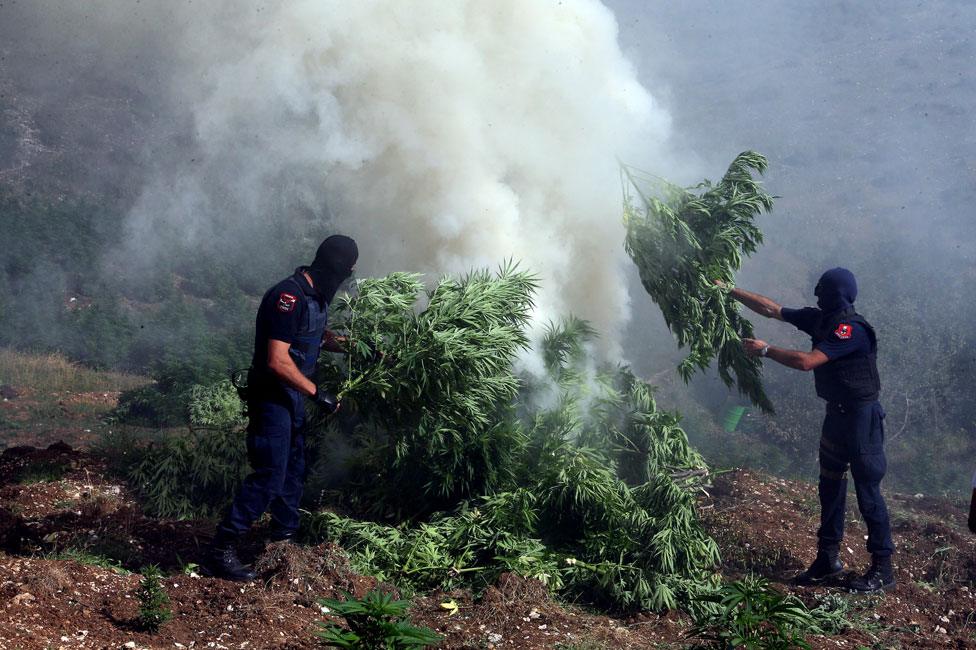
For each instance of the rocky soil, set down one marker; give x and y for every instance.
(73, 541)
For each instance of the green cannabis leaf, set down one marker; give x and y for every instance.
(682, 240)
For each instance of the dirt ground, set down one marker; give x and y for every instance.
(72, 542)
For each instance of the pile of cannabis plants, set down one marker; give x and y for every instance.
(593, 495)
(450, 468)
(682, 240)
(434, 389)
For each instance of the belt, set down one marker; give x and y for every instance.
(848, 407)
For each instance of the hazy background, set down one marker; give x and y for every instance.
(864, 109)
(163, 165)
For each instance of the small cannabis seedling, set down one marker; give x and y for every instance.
(375, 622)
(154, 608)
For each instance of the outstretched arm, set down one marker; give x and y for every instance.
(790, 358)
(757, 303)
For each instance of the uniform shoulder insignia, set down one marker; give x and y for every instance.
(844, 331)
(286, 303)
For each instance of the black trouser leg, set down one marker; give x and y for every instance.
(868, 467)
(832, 488)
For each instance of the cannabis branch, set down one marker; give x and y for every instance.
(682, 240)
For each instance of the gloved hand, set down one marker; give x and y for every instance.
(325, 401)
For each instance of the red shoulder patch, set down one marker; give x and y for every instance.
(844, 331)
(286, 303)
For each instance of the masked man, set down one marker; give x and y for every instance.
(843, 361)
(290, 330)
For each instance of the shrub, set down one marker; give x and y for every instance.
(215, 406)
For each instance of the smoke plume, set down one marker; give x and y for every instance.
(443, 136)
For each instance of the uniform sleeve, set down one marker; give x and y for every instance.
(283, 311)
(847, 339)
(805, 319)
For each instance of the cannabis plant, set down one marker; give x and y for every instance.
(597, 503)
(374, 622)
(439, 400)
(575, 478)
(682, 241)
(215, 406)
(154, 604)
(751, 614)
(191, 474)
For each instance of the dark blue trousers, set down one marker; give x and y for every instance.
(276, 451)
(853, 436)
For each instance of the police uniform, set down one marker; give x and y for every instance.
(293, 312)
(853, 429)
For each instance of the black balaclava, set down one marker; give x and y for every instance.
(836, 291)
(333, 264)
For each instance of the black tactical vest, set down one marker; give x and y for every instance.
(851, 379)
(304, 350)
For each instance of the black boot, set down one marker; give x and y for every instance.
(880, 577)
(222, 562)
(826, 566)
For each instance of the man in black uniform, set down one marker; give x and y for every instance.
(290, 330)
(843, 360)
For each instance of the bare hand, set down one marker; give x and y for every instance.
(719, 283)
(754, 347)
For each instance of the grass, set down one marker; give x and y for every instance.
(43, 472)
(54, 373)
(43, 414)
(82, 556)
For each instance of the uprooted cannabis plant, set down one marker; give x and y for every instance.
(575, 478)
(751, 614)
(439, 401)
(451, 467)
(682, 241)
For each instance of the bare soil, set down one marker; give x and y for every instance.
(61, 515)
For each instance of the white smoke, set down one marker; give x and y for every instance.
(443, 136)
